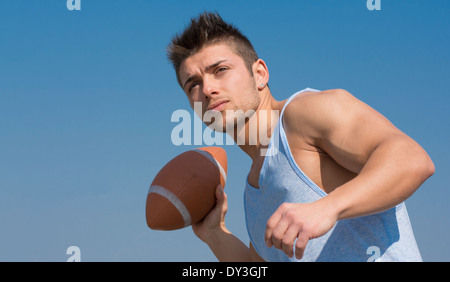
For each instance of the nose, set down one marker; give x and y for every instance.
(209, 88)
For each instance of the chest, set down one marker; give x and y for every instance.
(318, 166)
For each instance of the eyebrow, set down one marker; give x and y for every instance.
(192, 77)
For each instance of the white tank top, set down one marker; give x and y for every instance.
(385, 236)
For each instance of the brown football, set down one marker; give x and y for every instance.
(183, 191)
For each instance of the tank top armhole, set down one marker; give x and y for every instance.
(289, 156)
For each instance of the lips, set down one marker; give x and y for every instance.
(217, 106)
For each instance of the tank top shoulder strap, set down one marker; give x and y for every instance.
(295, 94)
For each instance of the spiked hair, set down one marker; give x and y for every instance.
(206, 29)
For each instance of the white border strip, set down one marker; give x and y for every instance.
(174, 200)
(214, 161)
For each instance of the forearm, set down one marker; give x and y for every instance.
(393, 172)
(227, 247)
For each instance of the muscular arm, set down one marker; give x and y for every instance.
(211, 230)
(389, 165)
(227, 247)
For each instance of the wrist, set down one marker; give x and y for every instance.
(214, 235)
(332, 207)
(211, 234)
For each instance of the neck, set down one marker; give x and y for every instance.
(264, 120)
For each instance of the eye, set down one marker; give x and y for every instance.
(221, 69)
(193, 85)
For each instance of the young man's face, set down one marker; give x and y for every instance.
(218, 78)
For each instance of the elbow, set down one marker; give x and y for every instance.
(430, 169)
(418, 170)
(428, 166)
(418, 162)
(423, 167)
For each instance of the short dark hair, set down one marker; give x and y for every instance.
(206, 29)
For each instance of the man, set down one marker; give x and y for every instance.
(334, 177)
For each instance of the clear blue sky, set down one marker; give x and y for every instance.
(86, 99)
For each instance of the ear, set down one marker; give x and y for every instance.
(261, 74)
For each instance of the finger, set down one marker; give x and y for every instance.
(279, 232)
(220, 194)
(287, 244)
(271, 224)
(300, 245)
(221, 199)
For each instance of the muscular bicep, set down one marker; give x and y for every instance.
(341, 125)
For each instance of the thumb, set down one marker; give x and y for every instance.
(220, 194)
(221, 199)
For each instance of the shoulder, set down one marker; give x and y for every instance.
(331, 114)
(316, 100)
(315, 118)
(310, 109)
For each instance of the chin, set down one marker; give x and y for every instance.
(218, 127)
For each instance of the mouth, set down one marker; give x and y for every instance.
(217, 106)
